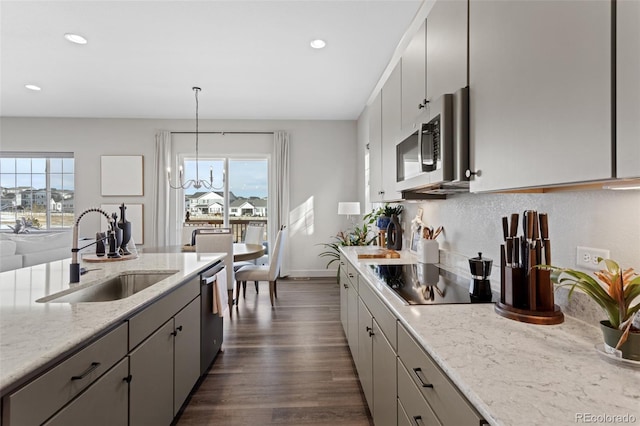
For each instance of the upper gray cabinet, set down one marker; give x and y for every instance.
(374, 115)
(628, 89)
(435, 61)
(447, 48)
(414, 80)
(391, 131)
(540, 92)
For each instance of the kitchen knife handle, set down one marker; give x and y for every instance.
(544, 225)
(509, 243)
(514, 225)
(536, 226)
(505, 228)
(516, 252)
(530, 218)
(547, 251)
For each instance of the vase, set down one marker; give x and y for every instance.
(394, 234)
(125, 226)
(630, 349)
(428, 251)
(383, 222)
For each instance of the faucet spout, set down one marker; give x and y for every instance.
(74, 268)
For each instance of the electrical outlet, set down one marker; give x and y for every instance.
(587, 257)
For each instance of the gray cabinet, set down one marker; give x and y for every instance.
(376, 190)
(151, 387)
(540, 92)
(41, 398)
(352, 324)
(446, 46)
(186, 352)
(344, 302)
(384, 378)
(628, 89)
(365, 352)
(414, 80)
(391, 131)
(104, 403)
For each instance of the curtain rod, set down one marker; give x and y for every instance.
(223, 133)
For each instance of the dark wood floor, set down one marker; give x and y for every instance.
(289, 365)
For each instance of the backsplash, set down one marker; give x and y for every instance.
(599, 219)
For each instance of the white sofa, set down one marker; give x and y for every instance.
(22, 250)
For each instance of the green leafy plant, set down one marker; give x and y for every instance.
(359, 236)
(386, 210)
(614, 290)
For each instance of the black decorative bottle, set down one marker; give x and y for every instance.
(394, 233)
(125, 226)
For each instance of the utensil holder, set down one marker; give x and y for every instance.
(526, 299)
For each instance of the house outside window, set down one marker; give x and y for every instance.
(37, 189)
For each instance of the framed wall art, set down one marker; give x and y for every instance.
(122, 175)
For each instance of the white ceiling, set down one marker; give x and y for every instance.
(251, 58)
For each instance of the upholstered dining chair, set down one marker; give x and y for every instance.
(254, 234)
(264, 272)
(218, 240)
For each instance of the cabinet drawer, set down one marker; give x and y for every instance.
(410, 402)
(150, 319)
(104, 403)
(38, 400)
(444, 398)
(385, 319)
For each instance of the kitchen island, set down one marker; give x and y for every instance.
(512, 373)
(35, 335)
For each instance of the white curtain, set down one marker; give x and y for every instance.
(160, 213)
(280, 216)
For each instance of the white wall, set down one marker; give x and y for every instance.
(323, 168)
(599, 219)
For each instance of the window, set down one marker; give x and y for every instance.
(37, 187)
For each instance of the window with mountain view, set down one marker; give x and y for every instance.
(36, 191)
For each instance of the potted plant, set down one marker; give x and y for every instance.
(358, 237)
(382, 215)
(614, 290)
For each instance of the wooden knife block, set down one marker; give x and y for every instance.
(520, 302)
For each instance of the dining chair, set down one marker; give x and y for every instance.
(218, 240)
(254, 234)
(264, 272)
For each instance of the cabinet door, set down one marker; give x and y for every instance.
(446, 35)
(376, 192)
(151, 387)
(391, 131)
(628, 89)
(414, 80)
(344, 301)
(384, 379)
(540, 94)
(104, 403)
(353, 323)
(187, 352)
(365, 353)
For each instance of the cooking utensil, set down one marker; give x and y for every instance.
(505, 228)
(514, 225)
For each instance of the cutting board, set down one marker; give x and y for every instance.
(379, 253)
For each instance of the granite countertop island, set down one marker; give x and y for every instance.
(512, 372)
(34, 334)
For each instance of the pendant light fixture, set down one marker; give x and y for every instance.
(197, 183)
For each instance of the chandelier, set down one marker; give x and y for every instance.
(197, 183)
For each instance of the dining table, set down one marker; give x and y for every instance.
(241, 251)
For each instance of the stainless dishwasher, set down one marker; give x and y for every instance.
(211, 324)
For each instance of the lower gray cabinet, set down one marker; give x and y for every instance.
(104, 403)
(384, 378)
(151, 387)
(352, 322)
(187, 352)
(365, 352)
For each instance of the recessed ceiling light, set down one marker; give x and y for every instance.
(75, 38)
(318, 44)
(33, 87)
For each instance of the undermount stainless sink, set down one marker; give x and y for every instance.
(119, 287)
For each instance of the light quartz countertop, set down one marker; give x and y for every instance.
(516, 373)
(33, 334)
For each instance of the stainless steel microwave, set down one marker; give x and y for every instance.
(438, 151)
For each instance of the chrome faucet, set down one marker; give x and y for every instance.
(74, 267)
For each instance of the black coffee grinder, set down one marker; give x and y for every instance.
(480, 287)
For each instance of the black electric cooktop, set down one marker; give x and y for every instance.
(426, 284)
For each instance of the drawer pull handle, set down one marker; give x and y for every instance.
(419, 375)
(86, 372)
(179, 328)
(350, 275)
(369, 328)
(371, 333)
(128, 378)
(417, 420)
(345, 286)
